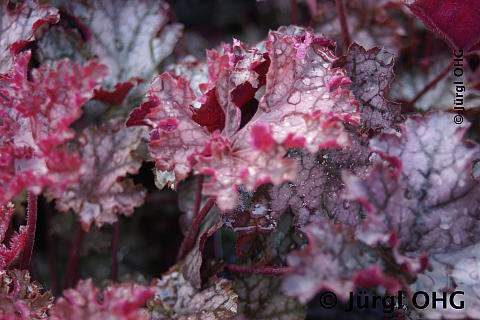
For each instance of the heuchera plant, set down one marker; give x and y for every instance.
(298, 171)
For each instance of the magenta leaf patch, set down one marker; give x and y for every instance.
(117, 301)
(36, 111)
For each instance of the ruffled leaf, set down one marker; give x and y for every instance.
(316, 190)
(36, 111)
(103, 191)
(314, 194)
(302, 91)
(116, 302)
(429, 199)
(130, 38)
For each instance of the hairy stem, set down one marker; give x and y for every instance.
(72, 264)
(189, 240)
(31, 226)
(293, 11)
(343, 24)
(116, 235)
(273, 270)
(432, 83)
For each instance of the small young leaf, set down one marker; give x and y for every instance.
(21, 299)
(116, 302)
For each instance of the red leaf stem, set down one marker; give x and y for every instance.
(72, 264)
(432, 83)
(189, 239)
(294, 11)
(343, 23)
(272, 270)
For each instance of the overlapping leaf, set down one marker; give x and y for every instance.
(302, 92)
(116, 302)
(371, 73)
(103, 191)
(36, 111)
(316, 192)
(429, 199)
(18, 25)
(130, 38)
(428, 202)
